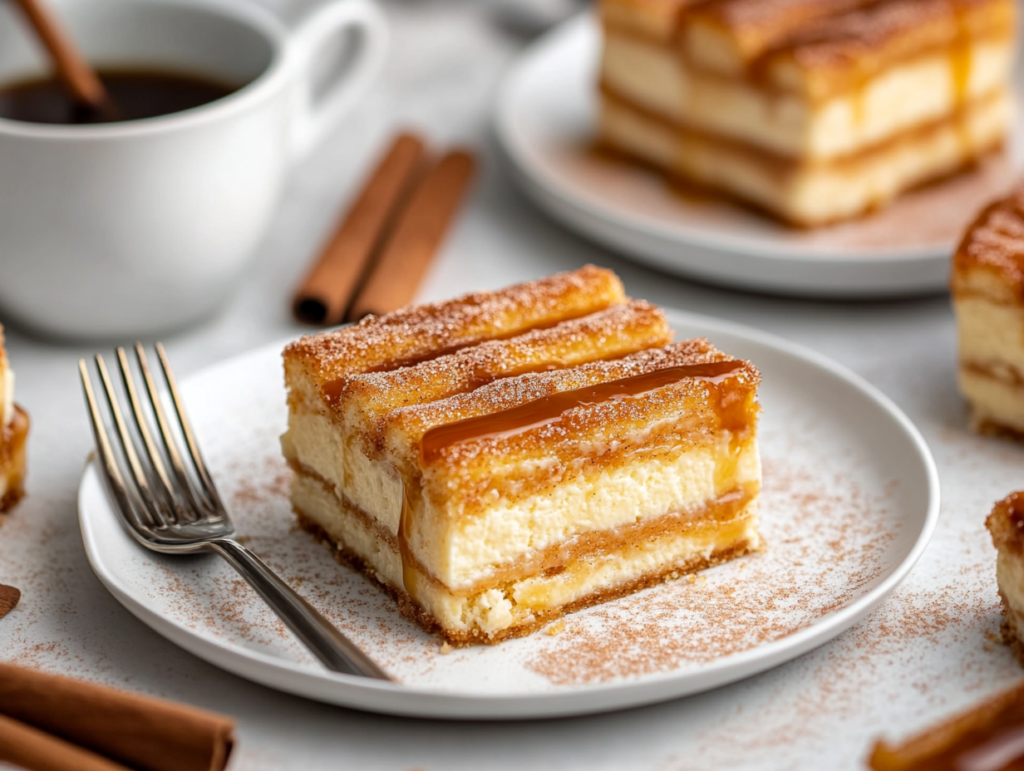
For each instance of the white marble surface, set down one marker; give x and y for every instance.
(927, 652)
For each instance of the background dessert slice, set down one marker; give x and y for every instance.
(13, 433)
(985, 738)
(807, 90)
(1006, 525)
(628, 489)
(988, 298)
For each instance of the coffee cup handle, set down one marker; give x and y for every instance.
(319, 105)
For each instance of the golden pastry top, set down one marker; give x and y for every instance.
(609, 333)
(421, 332)
(705, 404)
(990, 259)
(813, 46)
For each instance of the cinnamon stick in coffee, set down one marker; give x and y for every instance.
(417, 234)
(327, 291)
(140, 732)
(73, 70)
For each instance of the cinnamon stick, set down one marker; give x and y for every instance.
(73, 70)
(325, 294)
(34, 750)
(140, 732)
(9, 598)
(417, 234)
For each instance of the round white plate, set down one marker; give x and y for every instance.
(545, 120)
(850, 499)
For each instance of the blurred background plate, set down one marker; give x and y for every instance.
(545, 121)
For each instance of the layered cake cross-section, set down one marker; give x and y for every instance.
(13, 436)
(1006, 526)
(988, 298)
(813, 110)
(502, 458)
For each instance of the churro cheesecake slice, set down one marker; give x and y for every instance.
(988, 298)
(13, 433)
(539, 467)
(814, 110)
(1006, 525)
(987, 737)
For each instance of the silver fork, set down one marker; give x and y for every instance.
(187, 515)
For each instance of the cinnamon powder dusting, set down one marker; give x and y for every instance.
(817, 560)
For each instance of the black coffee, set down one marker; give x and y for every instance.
(135, 94)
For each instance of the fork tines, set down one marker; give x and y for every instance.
(151, 498)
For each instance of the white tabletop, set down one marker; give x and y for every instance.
(927, 652)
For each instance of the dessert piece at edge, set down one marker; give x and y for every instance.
(988, 737)
(988, 298)
(13, 433)
(493, 476)
(1006, 525)
(814, 110)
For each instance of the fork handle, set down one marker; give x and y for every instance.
(335, 650)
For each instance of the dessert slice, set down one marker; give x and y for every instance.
(530, 468)
(13, 433)
(989, 737)
(988, 298)
(814, 110)
(1006, 524)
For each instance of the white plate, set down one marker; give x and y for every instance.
(545, 120)
(850, 499)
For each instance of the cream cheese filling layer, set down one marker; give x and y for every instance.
(1010, 579)
(810, 193)
(993, 400)
(461, 549)
(913, 93)
(991, 335)
(520, 602)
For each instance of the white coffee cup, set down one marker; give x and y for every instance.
(135, 228)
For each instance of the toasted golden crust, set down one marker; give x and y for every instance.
(990, 257)
(1006, 524)
(610, 333)
(420, 332)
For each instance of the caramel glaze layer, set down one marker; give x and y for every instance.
(422, 332)
(785, 169)
(1006, 524)
(1005, 373)
(611, 333)
(594, 423)
(551, 409)
(412, 610)
(553, 559)
(13, 456)
(994, 242)
(977, 739)
(840, 43)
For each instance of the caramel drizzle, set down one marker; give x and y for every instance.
(549, 409)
